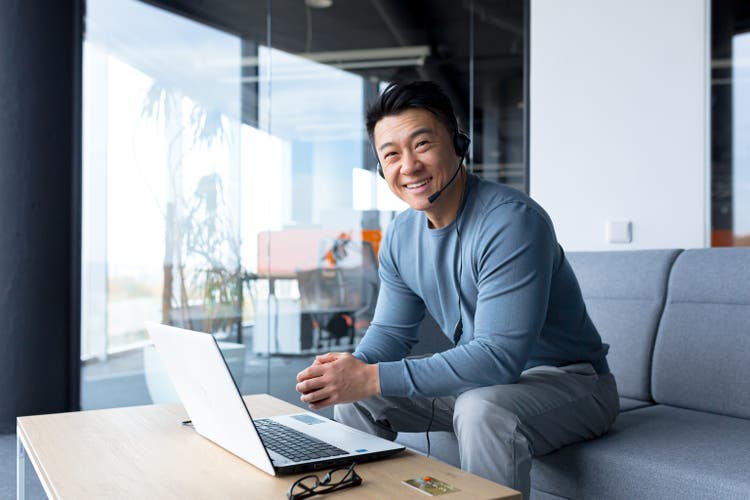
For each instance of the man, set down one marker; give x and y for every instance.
(528, 373)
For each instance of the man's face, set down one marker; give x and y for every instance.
(417, 155)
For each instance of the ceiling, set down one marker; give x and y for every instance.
(443, 25)
(475, 51)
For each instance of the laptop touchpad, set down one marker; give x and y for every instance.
(307, 419)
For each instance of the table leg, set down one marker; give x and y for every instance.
(20, 468)
(272, 293)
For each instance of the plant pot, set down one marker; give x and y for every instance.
(160, 386)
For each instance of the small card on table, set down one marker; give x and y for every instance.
(430, 486)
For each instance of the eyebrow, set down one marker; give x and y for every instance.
(419, 131)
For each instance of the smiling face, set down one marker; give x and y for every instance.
(418, 157)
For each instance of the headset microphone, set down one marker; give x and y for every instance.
(461, 145)
(437, 193)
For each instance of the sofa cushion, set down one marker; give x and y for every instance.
(627, 404)
(702, 352)
(624, 294)
(654, 452)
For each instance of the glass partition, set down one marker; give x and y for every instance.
(730, 123)
(229, 184)
(163, 155)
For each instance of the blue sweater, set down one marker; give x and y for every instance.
(521, 305)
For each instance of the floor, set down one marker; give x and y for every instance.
(34, 489)
(120, 382)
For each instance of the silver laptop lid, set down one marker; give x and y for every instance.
(208, 392)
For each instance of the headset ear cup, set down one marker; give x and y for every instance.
(377, 160)
(461, 143)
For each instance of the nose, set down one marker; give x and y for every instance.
(409, 162)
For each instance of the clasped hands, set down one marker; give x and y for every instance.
(335, 378)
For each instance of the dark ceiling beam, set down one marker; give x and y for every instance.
(388, 15)
(484, 15)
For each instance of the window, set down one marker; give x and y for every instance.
(229, 185)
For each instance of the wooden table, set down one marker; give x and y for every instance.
(144, 452)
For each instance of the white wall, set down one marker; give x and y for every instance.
(619, 121)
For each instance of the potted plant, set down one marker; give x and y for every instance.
(202, 276)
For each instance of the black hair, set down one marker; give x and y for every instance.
(399, 97)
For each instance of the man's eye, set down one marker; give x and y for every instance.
(422, 143)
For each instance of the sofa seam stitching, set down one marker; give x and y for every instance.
(634, 299)
(709, 302)
(665, 301)
(550, 493)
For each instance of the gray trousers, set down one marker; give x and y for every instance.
(501, 428)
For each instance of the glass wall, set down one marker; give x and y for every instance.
(229, 185)
(163, 147)
(730, 123)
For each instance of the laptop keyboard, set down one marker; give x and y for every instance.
(293, 444)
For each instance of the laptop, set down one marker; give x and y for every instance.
(282, 444)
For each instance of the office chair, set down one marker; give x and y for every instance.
(340, 300)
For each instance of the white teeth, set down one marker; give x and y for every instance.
(417, 184)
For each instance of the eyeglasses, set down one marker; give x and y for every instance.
(334, 480)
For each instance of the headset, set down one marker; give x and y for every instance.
(461, 144)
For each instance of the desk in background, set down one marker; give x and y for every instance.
(287, 328)
(336, 298)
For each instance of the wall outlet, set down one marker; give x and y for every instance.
(619, 231)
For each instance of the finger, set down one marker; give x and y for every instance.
(302, 374)
(310, 385)
(321, 399)
(327, 357)
(319, 405)
(316, 396)
(310, 372)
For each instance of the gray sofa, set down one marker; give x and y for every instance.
(678, 325)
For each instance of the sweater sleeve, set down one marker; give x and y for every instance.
(398, 313)
(514, 256)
